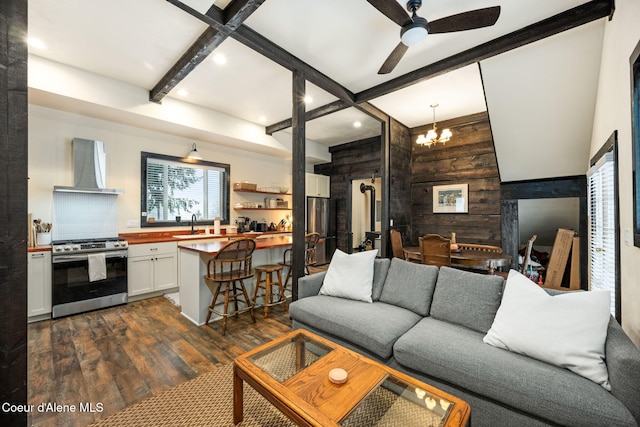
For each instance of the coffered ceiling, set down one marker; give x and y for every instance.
(341, 44)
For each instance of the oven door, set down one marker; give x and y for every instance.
(70, 277)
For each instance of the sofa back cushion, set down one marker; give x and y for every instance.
(409, 285)
(467, 299)
(380, 270)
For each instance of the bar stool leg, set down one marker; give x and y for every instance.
(225, 316)
(268, 293)
(246, 298)
(282, 295)
(213, 303)
(255, 291)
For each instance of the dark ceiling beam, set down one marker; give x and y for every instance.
(227, 21)
(563, 21)
(309, 115)
(272, 51)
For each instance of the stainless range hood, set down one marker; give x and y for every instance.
(89, 166)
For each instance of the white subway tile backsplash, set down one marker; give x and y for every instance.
(84, 216)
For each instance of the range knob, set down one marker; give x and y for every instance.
(58, 248)
(67, 248)
(116, 244)
(76, 247)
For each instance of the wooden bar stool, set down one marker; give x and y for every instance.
(225, 274)
(269, 283)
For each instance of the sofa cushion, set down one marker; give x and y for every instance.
(567, 330)
(410, 285)
(467, 299)
(350, 275)
(380, 270)
(374, 327)
(456, 355)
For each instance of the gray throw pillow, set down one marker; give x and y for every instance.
(380, 269)
(410, 286)
(467, 299)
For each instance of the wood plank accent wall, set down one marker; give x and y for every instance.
(354, 160)
(400, 197)
(363, 159)
(13, 208)
(469, 157)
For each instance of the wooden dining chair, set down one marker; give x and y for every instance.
(398, 249)
(435, 250)
(396, 244)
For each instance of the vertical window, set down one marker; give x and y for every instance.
(174, 189)
(635, 111)
(602, 227)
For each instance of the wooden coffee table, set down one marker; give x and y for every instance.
(292, 373)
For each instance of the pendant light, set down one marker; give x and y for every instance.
(432, 136)
(193, 154)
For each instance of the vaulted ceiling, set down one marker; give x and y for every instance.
(535, 70)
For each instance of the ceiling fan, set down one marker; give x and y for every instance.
(415, 28)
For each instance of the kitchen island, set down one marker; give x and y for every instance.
(195, 296)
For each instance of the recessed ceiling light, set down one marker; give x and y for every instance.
(308, 99)
(183, 92)
(357, 124)
(262, 119)
(36, 43)
(219, 59)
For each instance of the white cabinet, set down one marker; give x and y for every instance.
(317, 185)
(38, 283)
(152, 267)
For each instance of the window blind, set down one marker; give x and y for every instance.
(602, 238)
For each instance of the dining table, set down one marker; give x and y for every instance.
(470, 258)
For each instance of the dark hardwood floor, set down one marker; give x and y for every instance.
(115, 357)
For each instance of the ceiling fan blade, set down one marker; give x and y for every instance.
(393, 58)
(470, 20)
(392, 10)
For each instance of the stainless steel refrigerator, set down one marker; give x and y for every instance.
(318, 211)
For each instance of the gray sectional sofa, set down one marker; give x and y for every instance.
(430, 323)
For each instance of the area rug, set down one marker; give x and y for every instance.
(205, 401)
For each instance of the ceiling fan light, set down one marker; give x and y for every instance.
(415, 32)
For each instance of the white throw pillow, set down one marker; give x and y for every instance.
(350, 276)
(567, 330)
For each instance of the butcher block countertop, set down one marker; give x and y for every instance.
(169, 236)
(212, 248)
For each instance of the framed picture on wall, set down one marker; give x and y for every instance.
(451, 198)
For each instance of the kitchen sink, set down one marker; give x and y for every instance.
(196, 236)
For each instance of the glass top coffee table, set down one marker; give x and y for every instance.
(292, 373)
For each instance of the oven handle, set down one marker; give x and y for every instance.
(83, 257)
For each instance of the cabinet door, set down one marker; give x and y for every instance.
(166, 271)
(38, 283)
(317, 185)
(140, 275)
(323, 185)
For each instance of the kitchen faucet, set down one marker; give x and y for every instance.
(193, 223)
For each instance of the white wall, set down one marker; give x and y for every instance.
(51, 162)
(613, 112)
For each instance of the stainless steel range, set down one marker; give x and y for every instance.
(88, 274)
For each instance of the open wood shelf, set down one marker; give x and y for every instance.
(261, 192)
(261, 209)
